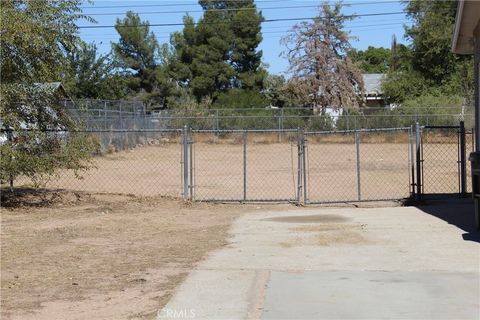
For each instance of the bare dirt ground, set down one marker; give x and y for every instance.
(101, 256)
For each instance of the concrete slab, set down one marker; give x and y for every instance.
(401, 262)
(372, 295)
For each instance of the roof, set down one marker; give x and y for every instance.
(466, 21)
(48, 86)
(373, 83)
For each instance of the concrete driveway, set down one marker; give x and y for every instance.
(340, 263)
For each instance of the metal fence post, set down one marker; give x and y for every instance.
(280, 126)
(190, 142)
(217, 125)
(304, 167)
(418, 181)
(10, 141)
(105, 114)
(348, 120)
(411, 157)
(299, 164)
(244, 165)
(463, 160)
(121, 116)
(357, 147)
(185, 163)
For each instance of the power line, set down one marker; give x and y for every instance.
(167, 35)
(164, 5)
(207, 10)
(347, 24)
(196, 4)
(223, 10)
(264, 21)
(265, 29)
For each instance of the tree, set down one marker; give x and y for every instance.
(431, 34)
(372, 60)
(245, 59)
(427, 66)
(219, 52)
(274, 86)
(318, 55)
(281, 93)
(400, 56)
(88, 75)
(137, 51)
(35, 37)
(404, 84)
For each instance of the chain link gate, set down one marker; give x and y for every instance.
(242, 165)
(359, 165)
(442, 161)
(296, 166)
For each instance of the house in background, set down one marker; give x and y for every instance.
(51, 88)
(374, 99)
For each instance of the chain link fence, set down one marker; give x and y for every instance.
(151, 167)
(359, 165)
(289, 165)
(245, 165)
(133, 115)
(444, 150)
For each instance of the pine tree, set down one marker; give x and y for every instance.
(137, 50)
(220, 51)
(89, 75)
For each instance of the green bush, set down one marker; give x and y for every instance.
(237, 98)
(41, 135)
(39, 156)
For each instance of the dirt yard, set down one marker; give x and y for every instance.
(101, 256)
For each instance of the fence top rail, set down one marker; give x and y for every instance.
(92, 130)
(358, 130)
(265, 108)
(440, 127)
(242, 130)
(209, 115)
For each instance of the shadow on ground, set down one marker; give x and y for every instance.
(35, 198)
(457, 212)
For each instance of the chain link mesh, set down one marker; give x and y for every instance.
(241, 165)
(331, 167)
(218, 166)
(441, 160)
(272, 166)
(385, 164)
(269, 165)
(151, 167)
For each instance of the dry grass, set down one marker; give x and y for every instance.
(102, 256)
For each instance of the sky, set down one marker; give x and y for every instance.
(368, 30)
